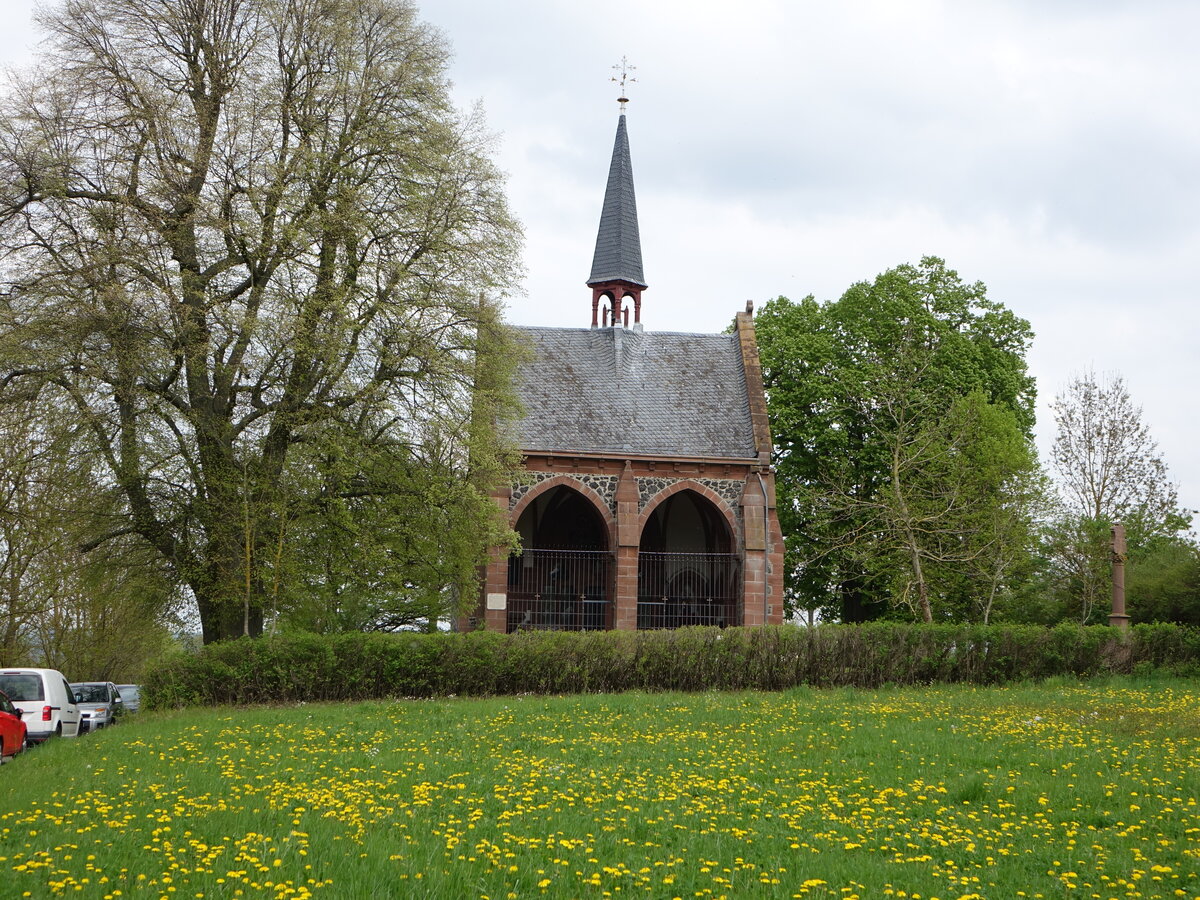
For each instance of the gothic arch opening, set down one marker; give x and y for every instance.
(561, 579)
(688, 572)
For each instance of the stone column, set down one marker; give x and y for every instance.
(1118, 617)
(626, 557)
(774, 556)
(754, 557)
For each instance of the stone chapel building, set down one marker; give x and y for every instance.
(651, 498)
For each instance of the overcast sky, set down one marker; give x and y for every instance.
(1048, 148)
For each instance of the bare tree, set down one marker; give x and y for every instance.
(244, 242)
(1109, 470)
(1108, 465)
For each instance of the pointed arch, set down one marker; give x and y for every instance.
(562, 578)
(601, 507)
(689, 564)
(686, 484)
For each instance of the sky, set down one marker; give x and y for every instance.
(1048, 148)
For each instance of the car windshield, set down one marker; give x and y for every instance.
(22, 687)
(90, 693)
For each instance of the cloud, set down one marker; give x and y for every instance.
(1047, 149)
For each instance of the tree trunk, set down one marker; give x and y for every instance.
(912, 546)
(227, 610)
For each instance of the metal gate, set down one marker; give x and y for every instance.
(677, 589)
(559, 590)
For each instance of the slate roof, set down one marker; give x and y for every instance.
(618, 254)
(615, 390)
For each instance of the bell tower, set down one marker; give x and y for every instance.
(617, 263)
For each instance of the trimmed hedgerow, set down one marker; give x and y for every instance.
(294, 667)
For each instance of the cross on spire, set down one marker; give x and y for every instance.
(625, 70)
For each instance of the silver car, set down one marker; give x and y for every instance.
(100, 704)
(131, 696)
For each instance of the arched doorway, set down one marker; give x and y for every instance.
(560, 581)
(688, 572)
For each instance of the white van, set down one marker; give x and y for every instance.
(47, 699)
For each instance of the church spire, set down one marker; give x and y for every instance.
(617, 263)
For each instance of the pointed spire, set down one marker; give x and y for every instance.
(618, 254)
(617, 262)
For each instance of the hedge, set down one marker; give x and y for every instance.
(288, 668)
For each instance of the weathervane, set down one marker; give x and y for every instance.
(626, 71)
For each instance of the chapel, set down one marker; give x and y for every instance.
(650, 497)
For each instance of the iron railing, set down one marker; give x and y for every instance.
(677, 589)
(559, 590)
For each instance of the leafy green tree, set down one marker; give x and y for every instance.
(94, 615)
(902, 415)
(1164, 584)
(251, 250)
(987, 491)
(33, 477)
(1000, 580)
(107, 617)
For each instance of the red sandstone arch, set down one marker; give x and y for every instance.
(707, 493)
(605, 513)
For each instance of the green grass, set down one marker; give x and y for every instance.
(1056, 790)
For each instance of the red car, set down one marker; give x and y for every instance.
(12, 729)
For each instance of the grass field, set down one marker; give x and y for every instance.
(1047, 791)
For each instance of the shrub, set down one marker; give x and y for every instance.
(307, 667)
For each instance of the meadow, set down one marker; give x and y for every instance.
(1056, 790)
